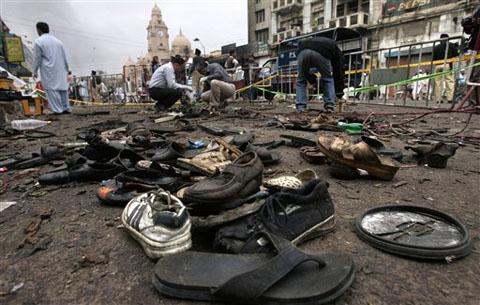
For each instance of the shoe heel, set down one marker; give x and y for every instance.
(323, 228)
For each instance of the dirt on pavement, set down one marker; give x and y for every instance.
(59, 245)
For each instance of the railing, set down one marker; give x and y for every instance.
(385, 76)
(379, 68)
(128, 87)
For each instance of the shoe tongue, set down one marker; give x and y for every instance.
(160, 202)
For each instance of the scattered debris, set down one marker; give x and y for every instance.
(6, 204)
(421, 181)
(399, 184)
(47, 213)
(92, 259)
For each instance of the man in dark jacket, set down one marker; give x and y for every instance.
(444, 50)
(319, 55)
(221, 85)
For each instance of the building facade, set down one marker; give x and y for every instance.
(391, 22)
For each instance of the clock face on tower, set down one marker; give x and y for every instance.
(160, 34)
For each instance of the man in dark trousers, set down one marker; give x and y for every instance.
(164, 88)
(444, 50)
(319, 57)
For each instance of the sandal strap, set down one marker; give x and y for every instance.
(253, 284)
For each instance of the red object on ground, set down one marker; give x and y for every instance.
(39, 86)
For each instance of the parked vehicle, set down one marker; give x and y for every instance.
(349, 40)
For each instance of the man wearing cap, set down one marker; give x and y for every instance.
(163, 87)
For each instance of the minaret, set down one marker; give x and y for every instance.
(158, 38)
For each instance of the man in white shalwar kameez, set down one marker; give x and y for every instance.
(51, 60)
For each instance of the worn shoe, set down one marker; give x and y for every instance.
(159, 222)
(296, 215)
(152, 178)
(434, 155)
(115, 193)
(82, 172)
(174, 151)
(238, 180)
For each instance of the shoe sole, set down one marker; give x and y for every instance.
(323, 228)
(155, 249)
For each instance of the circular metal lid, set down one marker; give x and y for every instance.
(414, 231)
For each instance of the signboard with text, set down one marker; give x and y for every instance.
(398, 7)
(14, 48)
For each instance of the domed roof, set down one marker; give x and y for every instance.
(156, 9)
(181, 42)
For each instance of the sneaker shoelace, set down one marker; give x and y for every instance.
(269, 218)
(157, 205)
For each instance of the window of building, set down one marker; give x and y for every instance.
(352, 7)
(353, 19)
(261, 35)
(365, 6)
(258, 1)
(260, 16)
(349, 7)
(275, 4)
(318, 18)
(341, 10)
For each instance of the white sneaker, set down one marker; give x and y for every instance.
(159, 222)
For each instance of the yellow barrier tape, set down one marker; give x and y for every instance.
(420, 64)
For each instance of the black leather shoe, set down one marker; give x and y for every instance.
(238, 180)
(83, 172)
(170, 154)
(152, 178)
(47, 154)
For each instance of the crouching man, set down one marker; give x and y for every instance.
(163, 87)
(220, 83)
(319, 57)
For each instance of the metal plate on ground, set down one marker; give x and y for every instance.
(414, 231)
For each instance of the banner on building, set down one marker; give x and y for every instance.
(398, 7)
(14, 48)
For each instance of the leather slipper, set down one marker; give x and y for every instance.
(358, 155)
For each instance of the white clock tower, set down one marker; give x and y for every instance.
(158, 40)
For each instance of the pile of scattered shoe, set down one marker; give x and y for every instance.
(258, 222)
(168, 189)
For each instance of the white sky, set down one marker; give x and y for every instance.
(102, 34)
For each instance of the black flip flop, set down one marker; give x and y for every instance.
(288, 277)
